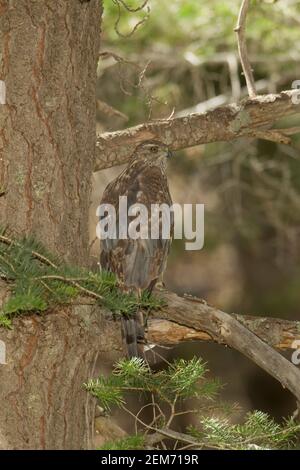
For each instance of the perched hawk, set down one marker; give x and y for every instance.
(139, 262)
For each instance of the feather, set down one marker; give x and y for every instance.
(137, 263)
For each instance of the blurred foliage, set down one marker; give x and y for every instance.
(188, 44)
(188, 24)
(184, 54)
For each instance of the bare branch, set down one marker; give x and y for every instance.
(110, 110)
(120, 3)
(126, 84)
(278, 333)
(240, 30)
(133, 10)
(274, 135)
(224, 123)
(231, 330)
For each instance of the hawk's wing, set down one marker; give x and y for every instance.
(137, 263)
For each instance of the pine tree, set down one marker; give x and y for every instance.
(167, 392)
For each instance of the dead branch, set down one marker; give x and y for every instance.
(224, 123)
(110, 111)
(274, 135)
(196, 318)
(212, 103)
(278, 333)
(240, 30)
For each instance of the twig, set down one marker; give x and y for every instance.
(110, 110)
(181, 413)
(43, 259)
(74, 282)
(54, 277)
(240, 30)
(173, 411)
(155, 418)
(177, 436)
(118, 4)
(133, 10)
(124, 82)
(154, 438)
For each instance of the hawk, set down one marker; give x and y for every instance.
(138, 263)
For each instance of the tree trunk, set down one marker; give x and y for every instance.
(48, 60)
(49, 358)
(49, 54)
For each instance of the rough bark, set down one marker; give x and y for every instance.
(48, 59)
(49, 358)
(249, 118)
(49, 51)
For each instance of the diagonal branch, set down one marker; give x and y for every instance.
(278, 333)
(249, 118)
(235, 332)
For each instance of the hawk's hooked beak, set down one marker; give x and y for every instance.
(169, 154)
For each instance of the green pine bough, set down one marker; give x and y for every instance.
(183, 388)
(38, 281)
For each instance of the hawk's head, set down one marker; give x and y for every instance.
(154, 152)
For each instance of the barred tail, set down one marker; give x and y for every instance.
(133, 334)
